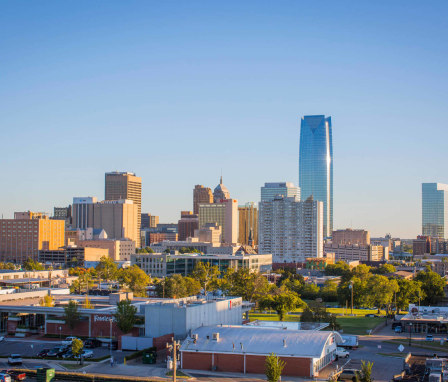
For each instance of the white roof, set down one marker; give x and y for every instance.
(253, 340)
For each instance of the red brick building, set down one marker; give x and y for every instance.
(243, 349)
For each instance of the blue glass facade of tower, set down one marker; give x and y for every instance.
(316, 164)
(435, 210)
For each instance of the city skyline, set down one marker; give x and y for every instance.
(221, 78)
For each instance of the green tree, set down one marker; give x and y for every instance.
(409, 291)
(381, 291)
(135, 279)
(282, 301)
(307, 315)
(31, 265)
(207, 275)
(384, 269)
(341, 268)
(273, 367)
(246, 283)
(77, 347)
(106, 269)
(47, 301)
(432, 285)
(365, 374)
(126, 316)
(72, 315)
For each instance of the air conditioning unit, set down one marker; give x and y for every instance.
(216, 336)
(195, 336)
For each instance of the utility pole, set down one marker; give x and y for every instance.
(174, 348)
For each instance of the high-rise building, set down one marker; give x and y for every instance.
(220, 192)
(435, 210)
(23, 238)
(316, 164)
(63, 213)
(82, 212)
(125, 185)
(287, 189)
(149, 221)
(248, 224)
(351, 237)
(290, 229)
(201, 195)
(188, 223)
(118, 218)
(225, 214)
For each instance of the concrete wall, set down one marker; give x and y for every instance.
(136, 343)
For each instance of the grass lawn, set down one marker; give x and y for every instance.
(272, 317)
(358, 325)
(431, 345)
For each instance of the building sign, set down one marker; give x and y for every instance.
(98, 318)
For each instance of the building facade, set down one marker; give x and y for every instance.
(210, 233)
(435, 210)
(225, 214)
(82, 209)
(287, 189)
(351, 237)
(201, 195)
(21, 239)
(118, 250)
(248, 224)
(220, 192)
(149, 221)
(290, 229)
(316, 164)
(188, 223)
(125, 185)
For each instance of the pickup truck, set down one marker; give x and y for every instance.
(15, 374)
(15, 359)
(341, 353)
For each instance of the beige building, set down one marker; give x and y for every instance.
(125, 185)
(24, 238)
(210, 233)
(118, 218)
(248, 224)
(118, 250)
(224, 214)
(351, 237)
(349, 253)
(30, 215)
(149, 221)
(201, 195)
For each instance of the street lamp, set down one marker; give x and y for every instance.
(111, 360)
(60, 333)
(410, 333)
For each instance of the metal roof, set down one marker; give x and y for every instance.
(253, 340)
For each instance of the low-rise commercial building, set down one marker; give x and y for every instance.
(166, 264)
(350, 253)
(119, 250)
(72, 256)
(243, 349)
(201, 246)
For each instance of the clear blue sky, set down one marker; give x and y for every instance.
(178, 90)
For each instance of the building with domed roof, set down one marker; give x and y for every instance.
(220, 193)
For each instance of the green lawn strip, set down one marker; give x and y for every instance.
(394, 355)
(419, 344)
(272, 317)
(358, 325)
(178, 374)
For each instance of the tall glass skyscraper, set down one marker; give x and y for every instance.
(316, 164)
(435, 210)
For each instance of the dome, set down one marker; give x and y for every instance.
(220, 192)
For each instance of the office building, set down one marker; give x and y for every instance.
(355, 252)
(248, 224)
(71, 256)
(421, 246)
(287, 189)
(188, 223)
(220, 192)
(63, 213)
(118, 250)
(21, 239)
(125, 185)
(201, 195)
(149, 221)
(194, 243)
(435, 210)
(316, 164)
(351, 237)
(30, 215)
(225, 214)
(167, 264)
(119, 218)
(290, 229)
(210, 233)
(82, 212)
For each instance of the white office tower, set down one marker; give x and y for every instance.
(290, 229)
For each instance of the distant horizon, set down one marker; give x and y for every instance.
(180, 92)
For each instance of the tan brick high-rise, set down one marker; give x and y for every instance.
(24, 238)
(125, 185)
(201, 195)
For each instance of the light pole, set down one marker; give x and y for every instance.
(410, 333)
(351, 289)
(60, 333)
(110, 347)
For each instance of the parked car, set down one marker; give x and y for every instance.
(68, 354)
(5, 378)
(2, 338)
(341, 353)
(398, 329)
(68, 341)
(15, 359)
(43, 353)
(14, 374)
(92, 343)
(57, 351)
(86, 354)
(348, 374)
(430, 338)
(372, 315)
